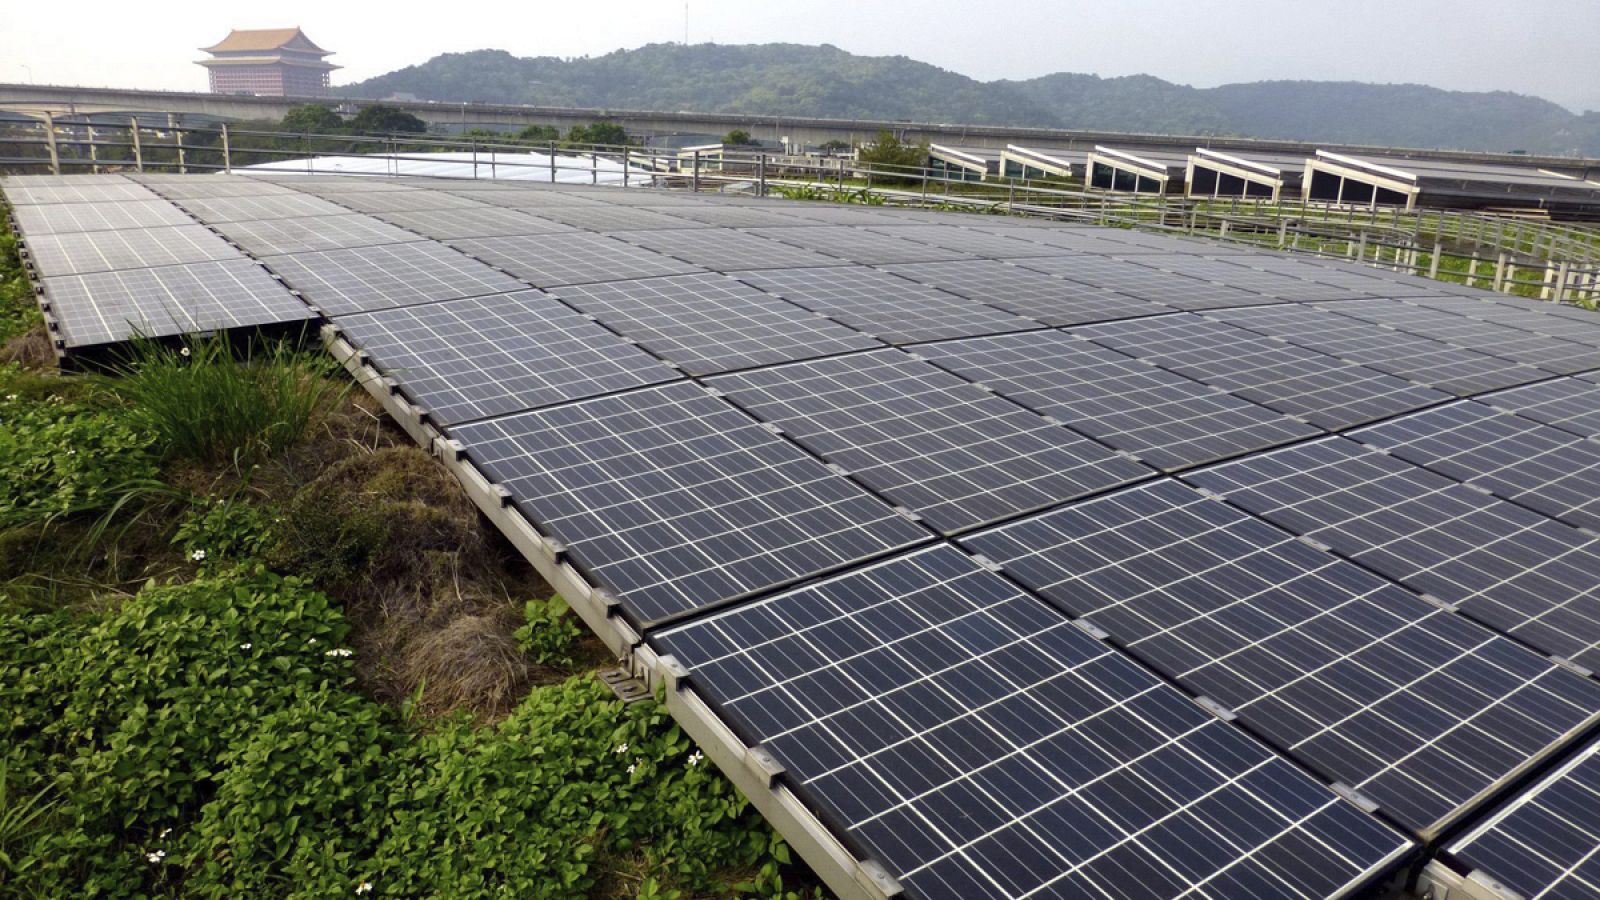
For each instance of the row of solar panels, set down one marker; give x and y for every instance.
(843, 540)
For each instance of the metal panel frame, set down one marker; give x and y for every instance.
(754, 773)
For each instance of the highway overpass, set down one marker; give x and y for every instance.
(64, 100)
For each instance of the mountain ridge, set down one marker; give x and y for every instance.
(825, 81)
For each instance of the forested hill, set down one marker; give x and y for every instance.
(799, 80)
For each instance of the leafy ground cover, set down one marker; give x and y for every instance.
(253, 643)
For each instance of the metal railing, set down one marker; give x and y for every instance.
(1503, 252)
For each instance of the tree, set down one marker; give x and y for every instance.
(835, 147)
(312, 118)
(387, 119)
(541, 133)
(738, 137)
(889, 151)
(597, 133)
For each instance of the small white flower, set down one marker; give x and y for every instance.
(11, 396)
(340, 652)
(184, 352)
(363, 888)
(311, 640)
(632, 768)
(156, 857)
(198, 555)
(621, 749)
(163, 835)
(244, 646)
(695, 757)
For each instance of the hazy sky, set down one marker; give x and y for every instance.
(1549, 48)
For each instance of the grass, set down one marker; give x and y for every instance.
(205, 405)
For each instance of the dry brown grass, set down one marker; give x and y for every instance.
(31, 350)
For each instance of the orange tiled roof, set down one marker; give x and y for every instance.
(264, 39)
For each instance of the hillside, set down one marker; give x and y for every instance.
(800, 80)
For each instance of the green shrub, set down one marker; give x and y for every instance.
(204, 403)
(19, 311)
(301, 806)
(58, 458)
(225, 532)
(551, 635)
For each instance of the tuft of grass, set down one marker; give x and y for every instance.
(208, 403)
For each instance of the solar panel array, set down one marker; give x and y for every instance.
(1044, 561)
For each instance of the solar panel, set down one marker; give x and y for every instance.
(1543, 468)
(1027, 293)
(1546, 320)
(1250, 278)
(269, 237)
(1161, 243)
(727, 251)
(678, 501)
(1419, 710)
(547, 260)
(928, 440)
(968, 240)
(1571, 404)
(886, 306)
(1545, 842)
(1368, 281)
(712, 323)
(1547, 353)
(371, 278)
(105, 307)
(733, 216)
(74, 217)
(1145, 283)
(451, 224)
(188, 188)
(978, 745)
(597, 217)
(1165, 419)
(406, 201)
(831, 214)
(20, 193)
(1422, 360)
(1075, 240)
(524, 197)
(488, 356)
(237, 209)
(857, 245)
(1321, 389)
(101, 251)
(1513, 569)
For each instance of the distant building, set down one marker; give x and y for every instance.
(272, 62)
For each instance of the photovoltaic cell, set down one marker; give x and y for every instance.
(969, 240)
(928, 440)
(547, 260)
(1422, 360)
(1571, 404)
(1167, 420)
(713, 323)
(1544, 843)
(1418, 709)
(858, 245)
(978, 745)
(1027, 293)
(406, 201)
(238, 209)
(886, 306)
(727, 251)
(597, 217)
(451, 224)
(78, 253)
(1250, 278)
(1073, 240)
(372, 278)
(1543, 468)
(1511, 568)
(1547, 353)
(489, 356)
(1145, 283)
(105, 307)
(1365, 282)
(1546, 319)
(20, 193)
(524, 197)
(74, 217)
(1321, 389)
(734, 216)
(678, 501)
(269, 237)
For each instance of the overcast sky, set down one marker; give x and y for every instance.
(1543, 47)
